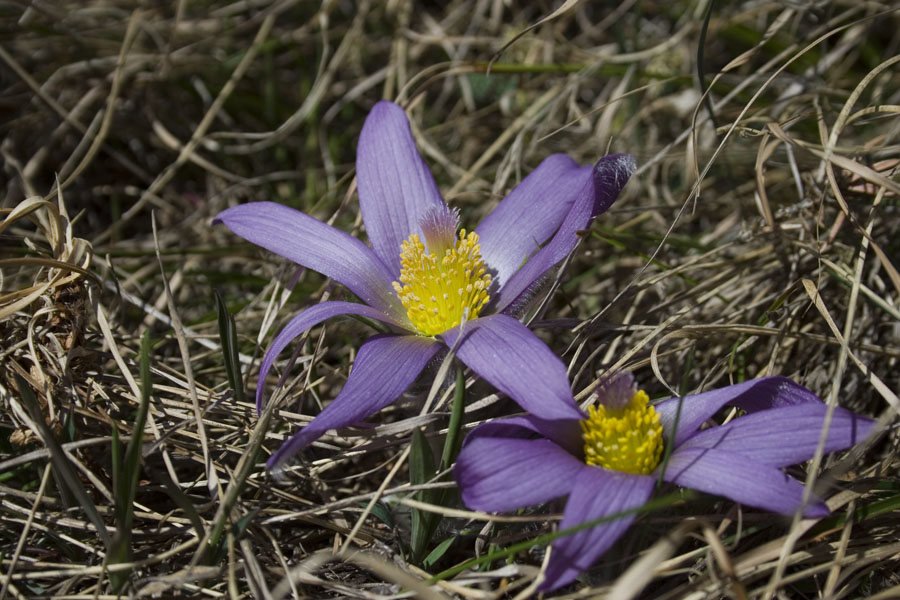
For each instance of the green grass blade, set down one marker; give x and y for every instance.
(116, 458)
(209, 546)
(701, 71)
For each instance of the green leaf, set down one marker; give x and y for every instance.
(127, 473)
(653, 504)
(240, 526)
(228, 339)
(865, 509)
(185, 504)
(63, 469)
(439, 551)
(421, 469)
(380, 512)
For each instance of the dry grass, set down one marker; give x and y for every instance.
(758, 236)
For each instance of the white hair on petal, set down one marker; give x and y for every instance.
(616, 390)
(438, 226)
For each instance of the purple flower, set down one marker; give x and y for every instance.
(427, 282)
(608, 462)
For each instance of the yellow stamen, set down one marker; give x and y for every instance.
(629, 439)
(438, 292)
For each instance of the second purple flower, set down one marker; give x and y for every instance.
(609, 460)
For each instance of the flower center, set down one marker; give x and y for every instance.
(439, 291)
(625, 439)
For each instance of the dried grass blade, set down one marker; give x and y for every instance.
(209, 544)
(25, 208)
(638, 575)
(873, 379)
(212, 478)
(24, 535)
(110, 339)
(169, 172)
(561, 10)
(105, 124)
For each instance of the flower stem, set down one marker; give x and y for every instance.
(454, 440)
(423, 469)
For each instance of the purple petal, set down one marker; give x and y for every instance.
(565, 433)
(396, 188)
(512, 359)
(736, 477)
(752, 396)
(385, 366)
(779, 437)
(498, 474)
(597, 493)
(529, 215)
(520, 427)
(317, 246)
(609, 176)
(310, 317)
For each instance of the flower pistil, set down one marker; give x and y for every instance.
(623, 438)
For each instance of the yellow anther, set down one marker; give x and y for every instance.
(437, 293)
(628, 439)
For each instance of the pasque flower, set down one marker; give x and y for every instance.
(608, 461)
(429, 282)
